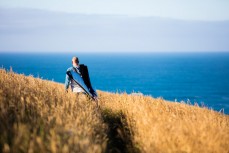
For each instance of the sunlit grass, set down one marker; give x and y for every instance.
(38, 116)
(160, 126)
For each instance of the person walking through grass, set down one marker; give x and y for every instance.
(82, 70)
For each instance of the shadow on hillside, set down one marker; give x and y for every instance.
(119, 137)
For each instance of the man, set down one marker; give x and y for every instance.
(83, 72)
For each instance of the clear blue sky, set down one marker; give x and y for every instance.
(179, 9)
(114, 25)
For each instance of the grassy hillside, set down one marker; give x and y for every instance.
(38, 116)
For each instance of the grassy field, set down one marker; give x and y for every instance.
(38, 116)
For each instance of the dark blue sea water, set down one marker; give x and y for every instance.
(194, 77)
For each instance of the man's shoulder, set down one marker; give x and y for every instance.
(81, 67)
(70, 68)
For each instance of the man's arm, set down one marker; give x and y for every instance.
(67, 81)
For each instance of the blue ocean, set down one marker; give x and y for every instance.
(201, 78)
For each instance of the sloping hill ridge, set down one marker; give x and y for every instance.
(38, 116)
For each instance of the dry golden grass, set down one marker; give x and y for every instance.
(159, 126)
(38, 116)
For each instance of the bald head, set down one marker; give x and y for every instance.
(75, 61)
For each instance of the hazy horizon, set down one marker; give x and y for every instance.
(143, 26)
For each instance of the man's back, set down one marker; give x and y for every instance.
(74, 86)
(82, 71)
